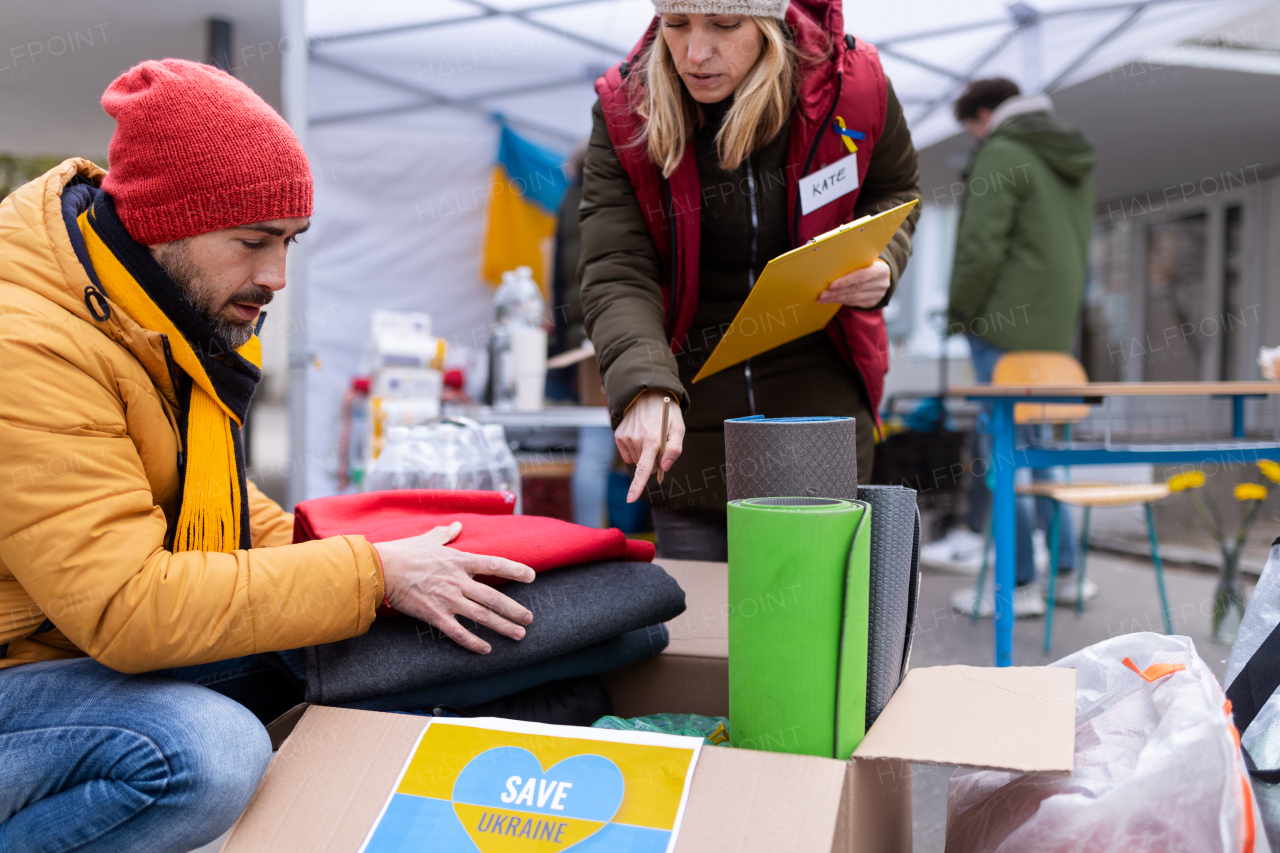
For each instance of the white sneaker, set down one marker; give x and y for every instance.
(1064, 594)
(1040, 551)
(959, 552)
(1027, 601)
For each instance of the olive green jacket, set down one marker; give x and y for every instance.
(1023, 244)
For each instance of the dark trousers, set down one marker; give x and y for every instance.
(691, 537)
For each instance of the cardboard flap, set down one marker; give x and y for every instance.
(1017, 718)
(328, 782)
(761, 802)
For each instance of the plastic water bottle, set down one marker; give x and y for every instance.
(518, 348)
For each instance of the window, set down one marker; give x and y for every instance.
(1173, 349)
(1234, 361)
(1105, 329)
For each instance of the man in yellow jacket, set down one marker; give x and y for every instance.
(131, 541)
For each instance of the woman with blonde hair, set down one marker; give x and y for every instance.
(690, 186)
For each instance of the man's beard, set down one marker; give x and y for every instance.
(175, 259)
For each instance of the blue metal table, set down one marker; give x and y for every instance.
(1006, 458)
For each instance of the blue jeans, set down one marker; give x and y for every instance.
(95, 761)
(984, 357)
(596, 448)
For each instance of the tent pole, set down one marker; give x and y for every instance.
(1134, 13)
(294, 89)
(488, 13)
(1106, 8)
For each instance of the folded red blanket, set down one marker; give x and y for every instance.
(488, 526)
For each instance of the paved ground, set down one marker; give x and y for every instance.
(1127, 601)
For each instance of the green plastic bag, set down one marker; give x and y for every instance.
(713, 730)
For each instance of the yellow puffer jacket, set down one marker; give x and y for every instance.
(89, 485)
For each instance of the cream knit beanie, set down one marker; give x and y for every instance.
(756, 8)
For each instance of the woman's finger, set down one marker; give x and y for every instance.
(841, 286)
(876, 270)
(675, 442)
(644, 467)
(625, 449)
(628, 443)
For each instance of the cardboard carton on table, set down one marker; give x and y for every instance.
(337, 767)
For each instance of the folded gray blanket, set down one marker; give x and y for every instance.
(573, 607)
(613, 653)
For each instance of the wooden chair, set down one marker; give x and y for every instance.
(1058, 368)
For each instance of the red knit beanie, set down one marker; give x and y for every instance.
(196, 150)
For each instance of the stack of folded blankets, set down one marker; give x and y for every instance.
(598, 603)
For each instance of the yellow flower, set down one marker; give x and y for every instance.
(1270, 469)
(1251, 492)
(1189, 480)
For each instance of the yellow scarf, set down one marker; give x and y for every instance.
(209, 518)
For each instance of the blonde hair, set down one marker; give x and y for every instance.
(762, 102)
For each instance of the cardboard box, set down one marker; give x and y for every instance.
(337, 767)
(692, 675)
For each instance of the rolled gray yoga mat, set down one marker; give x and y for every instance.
(817, 457)
(895, 586)
(573, 607)
(791, 458)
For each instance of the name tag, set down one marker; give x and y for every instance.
(827, 185)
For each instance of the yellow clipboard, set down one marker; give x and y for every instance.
(784, 306)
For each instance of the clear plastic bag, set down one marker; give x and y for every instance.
(404, 463)
(1157, 766)
(1261, 736)
(713, 730)
(450, 453)
(504, 470)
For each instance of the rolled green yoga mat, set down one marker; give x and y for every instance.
(799, 572)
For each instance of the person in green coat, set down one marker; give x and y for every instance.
(1017, 283)
(1023, 242)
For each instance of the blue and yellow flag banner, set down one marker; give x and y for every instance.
(502, 786)
(525, 189)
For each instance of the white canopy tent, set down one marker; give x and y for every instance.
(402, 103)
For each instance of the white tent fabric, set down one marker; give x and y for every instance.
(533, 60)
(405, 99)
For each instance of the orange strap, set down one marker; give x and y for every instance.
(1246, 794)
(1248, 831)
(1246, 790)
(1156, 670)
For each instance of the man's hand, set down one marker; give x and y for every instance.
(862, 288)
(639, 434)
(428, 581)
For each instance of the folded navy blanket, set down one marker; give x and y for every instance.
(573, 607)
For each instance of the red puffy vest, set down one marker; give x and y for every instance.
(851, 86)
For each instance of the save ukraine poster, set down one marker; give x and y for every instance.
(501, 786)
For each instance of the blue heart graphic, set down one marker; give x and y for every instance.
(588, 787)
